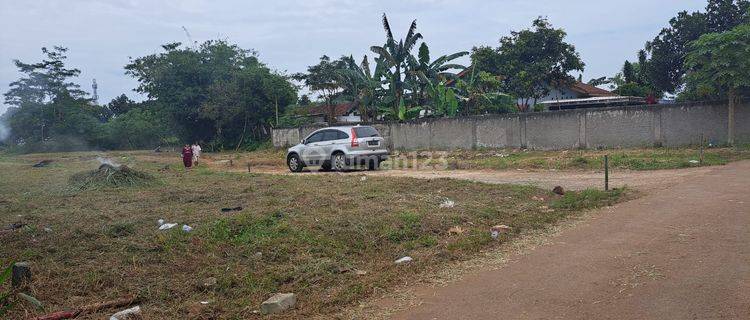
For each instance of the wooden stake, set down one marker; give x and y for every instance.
(606, 172)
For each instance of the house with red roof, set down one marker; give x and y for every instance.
(574, 95)
(342, 112)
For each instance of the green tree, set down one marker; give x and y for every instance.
(217, 92)
(480, 94)
(719, 63)
(120, 105)
(324, 78)
(136, 129)
(48, 110)
(423, 69)
(362, 84)
(531, 61)
(665, 64)
(395, 56)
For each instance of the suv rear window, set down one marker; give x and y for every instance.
(366, 132)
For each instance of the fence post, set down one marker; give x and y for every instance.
(701, 154)
(606, 172)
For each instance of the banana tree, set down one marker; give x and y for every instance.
(395, 56)
(424, 73)
(360, 81)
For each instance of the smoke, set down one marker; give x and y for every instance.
(108, 162)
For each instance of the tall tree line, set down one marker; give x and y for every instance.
(218, 94)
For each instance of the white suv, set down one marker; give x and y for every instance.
(339, 148)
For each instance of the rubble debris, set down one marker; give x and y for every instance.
(456, 230)
(447, 203)
(38, 304)
(20, 274)
(127, 314)
(187, 228)
(42, 163)
(558, 190)
(167, 226)
(210, 283)
(92, 308)
(59, 315)
(360, 272)
(403, 260)
(279, 302)
(498, 229)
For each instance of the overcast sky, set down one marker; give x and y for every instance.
(290, 35)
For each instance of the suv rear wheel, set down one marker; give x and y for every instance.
(294, 163)
(338, 161)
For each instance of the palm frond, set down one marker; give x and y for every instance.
(446, 58)
(384, 54)
(365, 66)
(411, 41)
(390, 42)
(450, 66)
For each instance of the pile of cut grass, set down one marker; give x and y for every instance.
(110, 176)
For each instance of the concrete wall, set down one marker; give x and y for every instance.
(616, 127)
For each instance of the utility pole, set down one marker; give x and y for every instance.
(95, 96)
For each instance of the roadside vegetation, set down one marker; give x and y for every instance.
(332, 239)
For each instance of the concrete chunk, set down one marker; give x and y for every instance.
(279, 302)
(21, 274)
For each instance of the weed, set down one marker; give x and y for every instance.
(589, 198)
(120, 230)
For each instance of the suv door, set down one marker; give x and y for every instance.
(313, 153)
(331, 138)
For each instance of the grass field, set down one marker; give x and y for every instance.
(506, 159)
(332, 239)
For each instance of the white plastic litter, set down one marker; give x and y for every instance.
(160, 222)
(126, 314)
(694, 161)
(447, 203)
(187, 228)
(167, 226)
(364, 178)
(404, 260)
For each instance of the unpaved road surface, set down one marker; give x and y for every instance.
(680, 253)
(548, 179)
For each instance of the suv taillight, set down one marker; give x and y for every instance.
(355, 143)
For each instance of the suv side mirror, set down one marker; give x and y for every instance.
(303, 141)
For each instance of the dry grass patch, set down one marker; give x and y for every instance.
(330, 238)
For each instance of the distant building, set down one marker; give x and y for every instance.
(592, 102)
(573, 95)
(344, 113)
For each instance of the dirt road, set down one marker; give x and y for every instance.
(680, 253)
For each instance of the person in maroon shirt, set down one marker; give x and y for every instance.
(187, 156)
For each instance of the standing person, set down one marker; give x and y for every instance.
(187, 156)
(196, 152)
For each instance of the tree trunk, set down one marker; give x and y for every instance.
(730, 118)
(242, 137)
(276, 102)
